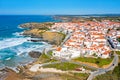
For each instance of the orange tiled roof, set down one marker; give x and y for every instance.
(59, 49)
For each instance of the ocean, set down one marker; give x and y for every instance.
(14, 48)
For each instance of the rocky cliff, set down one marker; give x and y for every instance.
(39, 30)
(42, 26)
(53, 37)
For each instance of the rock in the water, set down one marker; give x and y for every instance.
(35, 54)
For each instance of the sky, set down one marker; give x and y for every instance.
(59, 7)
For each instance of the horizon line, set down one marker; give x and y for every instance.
(97, 14)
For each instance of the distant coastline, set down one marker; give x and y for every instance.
(61, 15)
(100, 15)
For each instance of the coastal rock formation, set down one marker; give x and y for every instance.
(33, 32)
(53, 37)
(34, 54)
(42, 30)
(42, 26)
(8, 74)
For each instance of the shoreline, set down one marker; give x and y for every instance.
(16, 69)
(27, 65)
(20, 67)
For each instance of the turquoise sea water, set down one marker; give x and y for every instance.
(14, 48)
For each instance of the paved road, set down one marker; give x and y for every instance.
(66, 38)
(99, 70)
(111, 67)
(36, 67)
(102, 71)
(114, 63)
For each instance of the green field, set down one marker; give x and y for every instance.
(118, 39)
(63, 66)
(111, 75)
(100, 62)
(50, 53)
(44, 59)
(118, 52)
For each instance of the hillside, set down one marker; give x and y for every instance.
(42, 30)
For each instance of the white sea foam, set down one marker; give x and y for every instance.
(8, 58)
(21, 50)
(29, 46)
(17, 34)
(11, 42)
(21, 47)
